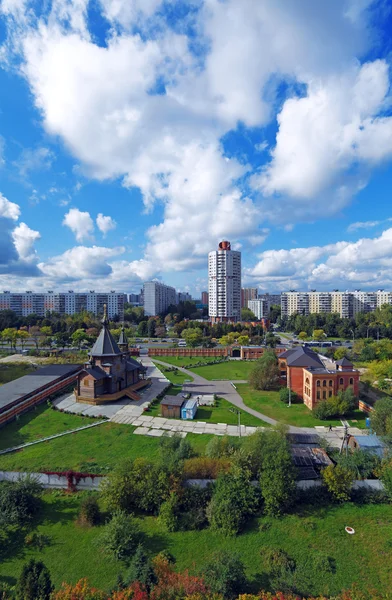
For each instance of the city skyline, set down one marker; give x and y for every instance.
(280, 141)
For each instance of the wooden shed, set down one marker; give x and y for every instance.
(171, 407)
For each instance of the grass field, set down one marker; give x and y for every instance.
(11, 371)
(231, 369)
(39, 423)
(364, 558)
(176, 377)
(269, 404)
(95, 450)
(218, 414)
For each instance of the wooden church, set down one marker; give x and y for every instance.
(110, 373)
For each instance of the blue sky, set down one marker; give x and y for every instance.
(137, 134)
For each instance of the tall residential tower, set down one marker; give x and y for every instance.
(224, 284)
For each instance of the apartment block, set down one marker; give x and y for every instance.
(204, 298)
(346, 304)
(248, 294)
(270, 299)
(224, 284)
(157, 297)
(64, 303)
(259, 308)
(183, 297)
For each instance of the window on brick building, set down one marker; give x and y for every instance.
(324, 395)
(324, 383)
(330, 393)
(318, 395)
(318, 383)
(341, 381)
(351, 380)
(330, 383)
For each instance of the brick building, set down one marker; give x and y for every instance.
(305, 373)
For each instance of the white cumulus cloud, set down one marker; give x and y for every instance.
(80, 223)
(105, 223)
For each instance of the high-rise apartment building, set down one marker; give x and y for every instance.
(204, 298)
(183, 297)
(157, 297)
(224, 283)
(346, 304)
(248, 294)
(270, 299)
(259, 308)
(64, 303)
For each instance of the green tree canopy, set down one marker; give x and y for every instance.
(265, 373)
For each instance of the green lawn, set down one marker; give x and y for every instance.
(364, 558)
(39, 423)
(11, 371)
(95, 450)
(270, 405)
(217, 414)
(231, 369)
(173, 376)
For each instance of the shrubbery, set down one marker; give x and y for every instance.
(89, 513)
(338, 481)
(19, 501)
(34, 582)
(121, 536)
(284, 395)
(204, 467)
(339, 405)
(225, 574)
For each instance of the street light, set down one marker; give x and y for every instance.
(352, 331)
(237, 412)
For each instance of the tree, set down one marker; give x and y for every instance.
(35, 334)
(303, 335)
(277, 474)
(338, 481)
(340, 353)
(34, 582)
(142, 329)
(265, 373)
(121, 536)
(22, 336)
(381, 417)
(193, 337)
(225, 574)
(243, 340)
(78, 337)
(247, 315)
(233, 500)
(62, 339)
(151, 325)
(79, 591)
(285, 394)
(318, 335)
(385, 474)
(141, 569)
(10, 335)
(18, 501)
(271, 340)
(168, 513)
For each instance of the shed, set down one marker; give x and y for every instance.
(171, 407)
(189, 409)
(371, 443)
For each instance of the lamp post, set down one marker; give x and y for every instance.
(237, 412)
(352, 331)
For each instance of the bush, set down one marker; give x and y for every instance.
(89, 513)
(193, 505)
(204, 467)
(338, 481)
(382, 416)
(277, 561)
(121, 536)
(284, 395)
(233, 500)
(38, 540)
(225, 574)
(168, 513)
(34, 582)
(19, 501)
(222, 447)
(322, 410)
(385, 473)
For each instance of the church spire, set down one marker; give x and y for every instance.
(123, 341)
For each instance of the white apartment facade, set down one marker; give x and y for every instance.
(157, 297)
(259, 308)
(346, 304)
(224, 284)
(64, 303)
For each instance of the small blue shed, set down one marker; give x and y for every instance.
(189, 409)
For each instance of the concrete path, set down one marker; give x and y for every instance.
(223, 389)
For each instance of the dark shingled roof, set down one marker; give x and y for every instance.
(302, 357)
(105, 344)
(344, 362)
(95, 372)
(173, 401)
(131, 362)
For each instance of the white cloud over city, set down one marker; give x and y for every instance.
(100, 101)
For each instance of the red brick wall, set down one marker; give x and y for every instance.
(187, 351)
(296, 378)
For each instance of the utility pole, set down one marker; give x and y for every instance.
(238, 413)
(288, 384)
